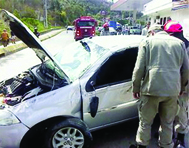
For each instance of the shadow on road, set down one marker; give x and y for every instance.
(122, 135)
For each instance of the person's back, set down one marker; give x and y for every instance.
(180, 36)
(162, 66)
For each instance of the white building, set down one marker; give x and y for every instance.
(129, 5)
(159, 11)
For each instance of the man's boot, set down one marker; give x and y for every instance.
(141, 146)
(180, 141)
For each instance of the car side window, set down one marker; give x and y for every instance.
(118, 68)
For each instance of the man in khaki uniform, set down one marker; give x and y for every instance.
(162, 64)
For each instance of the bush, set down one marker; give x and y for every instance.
(28, 12)
(97, 33)
(32, 23)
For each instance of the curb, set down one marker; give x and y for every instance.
(20, 45)
(12, 48)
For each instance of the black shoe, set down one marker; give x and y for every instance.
(180, 141)
(141, 146)
(137, 146)
(132, 146)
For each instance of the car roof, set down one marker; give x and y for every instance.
(70, 26)
(111, 28)
(118, 42)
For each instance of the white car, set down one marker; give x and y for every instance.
(112, 31)
(135, 30)
(70, 28)
(59, 102)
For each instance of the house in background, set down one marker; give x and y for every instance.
(129, 5)
(158, 11)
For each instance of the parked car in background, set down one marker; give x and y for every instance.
(59, 102)
(112, 31)
(135, 30)
(70, 28)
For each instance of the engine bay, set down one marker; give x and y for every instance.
(28, 84)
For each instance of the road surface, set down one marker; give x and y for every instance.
(15, 63)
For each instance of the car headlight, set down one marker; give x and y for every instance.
(7, 118)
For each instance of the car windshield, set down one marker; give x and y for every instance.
(78, 57)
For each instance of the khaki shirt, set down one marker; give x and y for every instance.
(162, 64)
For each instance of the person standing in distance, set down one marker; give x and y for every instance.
(162, 65)
(105, 31)
(181, 121)
(36, 32)
(145, 30)
(5, 38)
(13, 37)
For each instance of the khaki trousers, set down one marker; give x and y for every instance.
(148, 107)
(181, 120)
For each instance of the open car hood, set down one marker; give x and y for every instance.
(29, 38)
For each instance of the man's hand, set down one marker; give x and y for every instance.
(136, 95)
(181, 93)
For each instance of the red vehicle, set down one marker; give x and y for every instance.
(84, 27)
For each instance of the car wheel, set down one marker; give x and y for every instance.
(69, 133)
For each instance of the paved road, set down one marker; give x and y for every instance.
(13, 64)
(121, 136)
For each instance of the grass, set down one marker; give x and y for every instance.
(40, 27)
(3, 26)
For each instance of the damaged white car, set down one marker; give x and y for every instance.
(59, 102)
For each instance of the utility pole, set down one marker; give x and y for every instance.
(45, 14)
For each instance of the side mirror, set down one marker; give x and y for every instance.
(94, 106)
(92, 83)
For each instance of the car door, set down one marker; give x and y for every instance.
(112, 85)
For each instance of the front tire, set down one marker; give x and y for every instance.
(70, 133)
